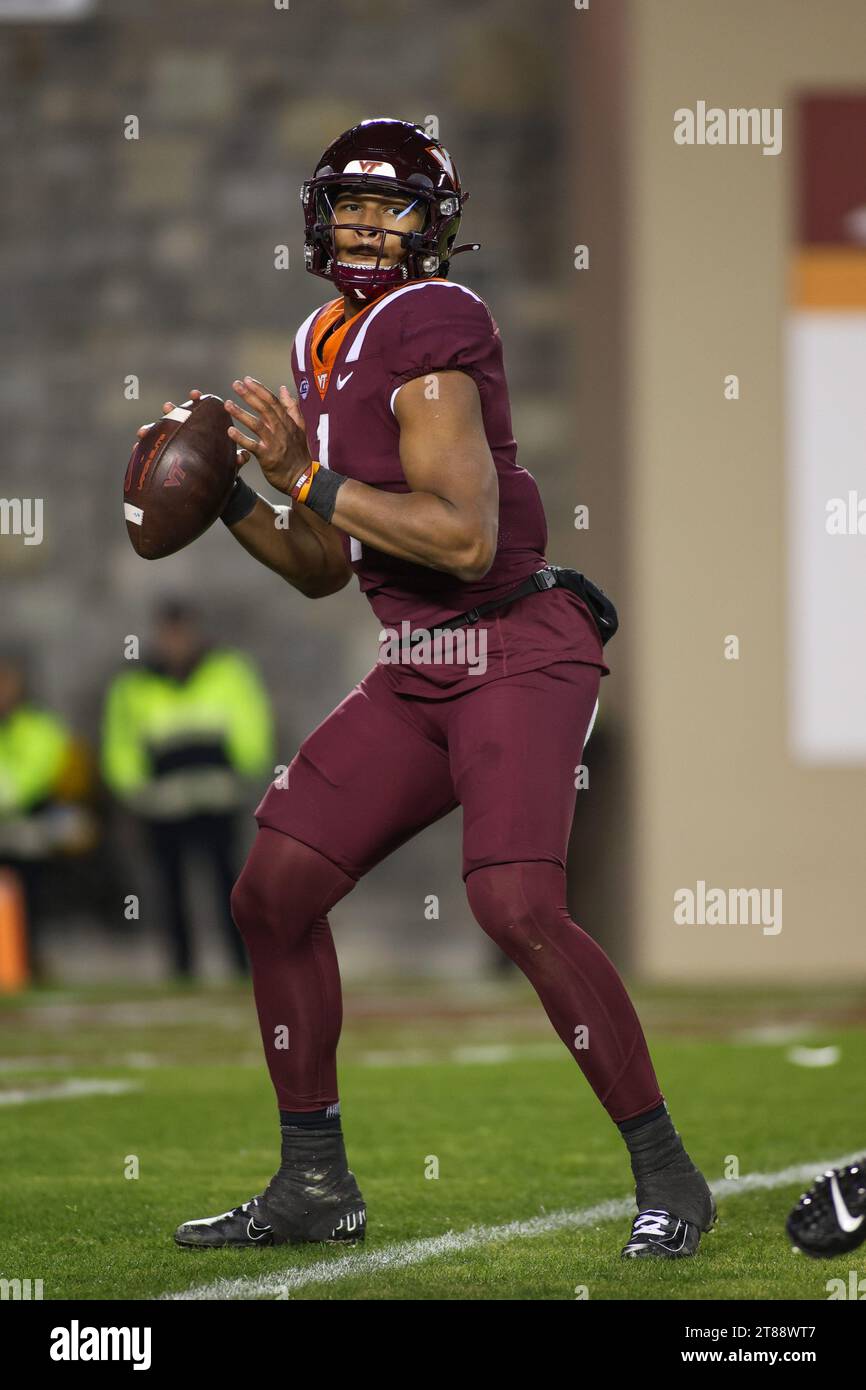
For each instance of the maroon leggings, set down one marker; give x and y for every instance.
(280, 905)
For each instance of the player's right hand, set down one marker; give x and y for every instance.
(168, 406)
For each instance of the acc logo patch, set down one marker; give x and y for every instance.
(304, 389)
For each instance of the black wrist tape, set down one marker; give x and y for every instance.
(322, 496)
(241, 501)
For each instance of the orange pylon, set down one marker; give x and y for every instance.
(14, 966)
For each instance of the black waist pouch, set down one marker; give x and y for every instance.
(600, 606)
(552, 576)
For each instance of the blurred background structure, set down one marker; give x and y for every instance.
(153, 155)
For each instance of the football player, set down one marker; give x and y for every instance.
(397, 452)
(830, 1219)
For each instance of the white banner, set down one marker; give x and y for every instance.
(826, 448)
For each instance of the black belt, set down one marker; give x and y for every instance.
(600, 606)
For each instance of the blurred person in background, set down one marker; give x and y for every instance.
(182, 731)
(44, 782)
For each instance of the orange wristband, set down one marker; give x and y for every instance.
(304, 483)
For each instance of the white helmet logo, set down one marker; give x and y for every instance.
(443, 157)
(370, 166)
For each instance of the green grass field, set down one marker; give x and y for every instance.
(472, 1076)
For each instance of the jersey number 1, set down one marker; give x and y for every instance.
(323, 436)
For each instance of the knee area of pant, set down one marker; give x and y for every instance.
(244, 904)
(509, 906)
(520, 904)
(259, 912)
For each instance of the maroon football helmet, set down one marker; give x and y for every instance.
(385, 156)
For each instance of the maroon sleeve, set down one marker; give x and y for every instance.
(443, 328)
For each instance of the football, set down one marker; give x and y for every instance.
(179, 477)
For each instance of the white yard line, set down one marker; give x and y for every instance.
(484, 1054)
(36, 1063)
(72, 1089)
(414, 1252)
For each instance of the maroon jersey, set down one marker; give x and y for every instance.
(347, 397)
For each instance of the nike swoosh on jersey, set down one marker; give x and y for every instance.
(848, 1222)
(341, 380)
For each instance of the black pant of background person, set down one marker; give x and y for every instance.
(174, 843)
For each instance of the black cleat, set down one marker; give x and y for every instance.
(674, 1205)
(244, 1225)
(312, 1197)
(830, 1219)
(661, 1235)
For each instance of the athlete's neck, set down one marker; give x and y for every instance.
(350, 308)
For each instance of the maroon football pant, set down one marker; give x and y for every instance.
(379, 769)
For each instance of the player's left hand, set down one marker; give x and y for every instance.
(279, 439)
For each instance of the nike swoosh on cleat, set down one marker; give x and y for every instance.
(848, 1222)
(256, 1232)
